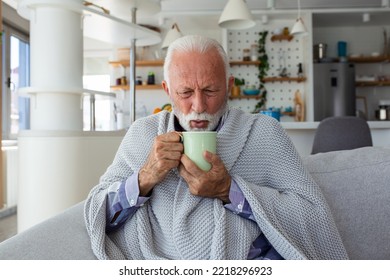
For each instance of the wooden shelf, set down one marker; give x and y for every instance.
(139, 87)
(373, 83)
(258, 97)
(291, 114)
(282, 37)
(149, 87)
(139, 63)
(368, 59)
(284, 79)
(235, 63)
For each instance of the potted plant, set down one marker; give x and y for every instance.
(236, 89)
(238, 83)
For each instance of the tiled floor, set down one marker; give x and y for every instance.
(8, 227)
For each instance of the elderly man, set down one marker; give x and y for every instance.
(256, 202)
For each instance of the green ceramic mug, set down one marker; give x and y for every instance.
(196, 142)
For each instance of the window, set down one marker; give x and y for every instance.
(16, 74)
(104, 113)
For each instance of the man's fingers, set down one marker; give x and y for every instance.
(191, 166)
(173, 136)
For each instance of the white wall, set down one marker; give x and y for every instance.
(360, 39)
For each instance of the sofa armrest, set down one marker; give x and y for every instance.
(62, 237)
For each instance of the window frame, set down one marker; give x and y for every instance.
(7, 32)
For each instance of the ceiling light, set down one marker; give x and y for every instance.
(173, 34)
(299, 27)
(236, 15)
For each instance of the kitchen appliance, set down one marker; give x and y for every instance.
(334, 90)
(319, 52)
(383, 114)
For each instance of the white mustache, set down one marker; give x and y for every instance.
(198, 117)
(185, 120)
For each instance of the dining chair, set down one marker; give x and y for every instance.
(341, 133)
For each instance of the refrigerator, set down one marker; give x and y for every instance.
(334, 90)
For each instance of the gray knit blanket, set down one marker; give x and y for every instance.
(287, 205)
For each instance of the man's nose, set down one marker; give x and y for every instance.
(199, 104)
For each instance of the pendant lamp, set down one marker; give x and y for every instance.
(236, 16)
(299, 27)
(173, 34)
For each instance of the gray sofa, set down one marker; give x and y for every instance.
(356, 184)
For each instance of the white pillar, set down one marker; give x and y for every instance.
(50, 170)
(56, 41)
(59, 169)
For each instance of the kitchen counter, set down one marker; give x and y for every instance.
(314, 125)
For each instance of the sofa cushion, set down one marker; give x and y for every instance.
(63, 237)
(356, 186)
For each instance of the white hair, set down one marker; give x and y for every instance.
(195, 43)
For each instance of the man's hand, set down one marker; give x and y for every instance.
(214, 184)
(164, 156)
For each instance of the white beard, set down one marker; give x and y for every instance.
(213, 120)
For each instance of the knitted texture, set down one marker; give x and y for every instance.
(287, 204)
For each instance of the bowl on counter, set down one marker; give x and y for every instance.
(251, 91)
(272, 113)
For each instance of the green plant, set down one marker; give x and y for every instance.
(263, 69)
(239, 82)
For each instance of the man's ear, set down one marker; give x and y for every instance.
(230, 83)
(165, 87)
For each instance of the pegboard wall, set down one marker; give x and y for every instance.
(281, 54)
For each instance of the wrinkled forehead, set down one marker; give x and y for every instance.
(207, 62)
